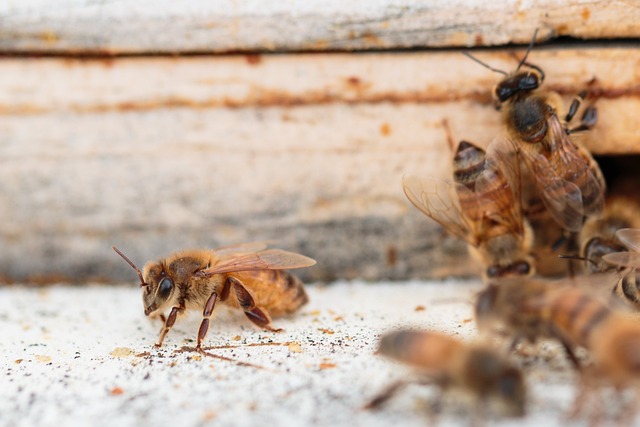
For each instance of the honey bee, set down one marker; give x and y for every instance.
(534, 309)
(567, 177)
(246, 276)
(452, 364)
(600, 237)
(481, 206)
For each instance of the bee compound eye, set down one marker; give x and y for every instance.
(165, 287)
(529, 81)
(493, 271)
(522, 268)
(503, 93)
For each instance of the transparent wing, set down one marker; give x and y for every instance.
(630, 237)
(270, 259)
(240, 248)
(623, 259)
(563, 199)
(437, 199)
(576, 165)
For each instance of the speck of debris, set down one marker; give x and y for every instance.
(294, 347)
(116, 391)
(43, 359)
(327, 365)
(420, 308)
(122, 352)
(326, 331)
(19, 361)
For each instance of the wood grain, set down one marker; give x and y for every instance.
(168, 27)
(307, 151)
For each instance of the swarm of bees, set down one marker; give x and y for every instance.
(494, 201)
(495, 198)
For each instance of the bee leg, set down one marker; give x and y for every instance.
(206, 314)
(168, 324)
(568, 349)
(248, 305)
(575, 105)
(588, 121)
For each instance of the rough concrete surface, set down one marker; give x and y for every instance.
(84, 356)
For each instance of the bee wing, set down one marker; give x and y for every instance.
(240, 248)
(623, 259)
(630, 237)
(563, 199)
(577, 166)
(270, 259)
(438, 200)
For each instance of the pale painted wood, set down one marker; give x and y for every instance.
(166, 26)
(307, 151)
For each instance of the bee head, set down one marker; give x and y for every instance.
(517, 268)
(161, 287)
(156, 284)
(518, 82)
(595, 249)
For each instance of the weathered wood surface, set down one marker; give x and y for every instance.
(165, 26)
(307, 151)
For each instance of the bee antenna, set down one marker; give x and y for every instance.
(577, 258)
(473, 58)
(142, 282)
(531, 43)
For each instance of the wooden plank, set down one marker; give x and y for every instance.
(308, 151)
(165, 26)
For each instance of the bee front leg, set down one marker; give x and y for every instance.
(206, 314)
(248, 305)
(168, 324)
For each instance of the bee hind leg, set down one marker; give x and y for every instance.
(255, 314)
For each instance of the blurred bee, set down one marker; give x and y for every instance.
(567, 177)
(599, 238)
(481, 206)
(452, 364)
(246, 276)
(533, 309)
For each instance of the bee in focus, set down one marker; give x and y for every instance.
(567, 177)
(452, 364)
(599, 238)
(247, 276)
(481, 206)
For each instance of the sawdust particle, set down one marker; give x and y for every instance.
(43, 359)
(327, 365)
(420, 308)
(122, 352)
(19, 361)
(294, 347)
(326, 331)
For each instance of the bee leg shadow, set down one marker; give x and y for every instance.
(248, 305)
(387, 394)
